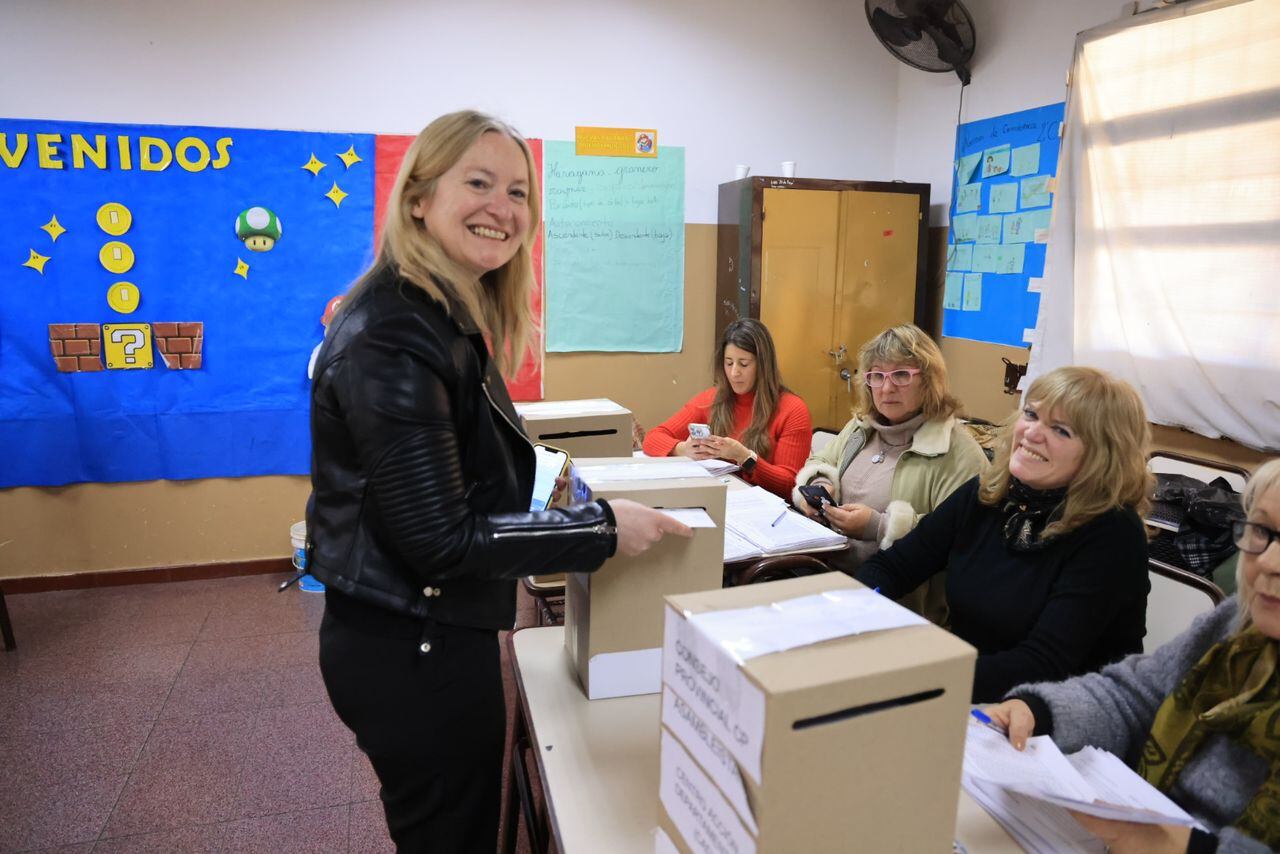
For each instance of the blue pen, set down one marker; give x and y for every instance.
(986, 721)
(781, 516)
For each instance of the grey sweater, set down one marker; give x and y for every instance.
(1113, 709)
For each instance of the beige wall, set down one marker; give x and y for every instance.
(111, 526)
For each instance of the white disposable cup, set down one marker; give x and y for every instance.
(788, 169)
(742, 170)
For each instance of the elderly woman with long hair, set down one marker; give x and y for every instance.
(421, 482)
(898, 458)
(1197, 717)
(1045, 552)
(754, 420)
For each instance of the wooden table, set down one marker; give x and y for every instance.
(598, 761)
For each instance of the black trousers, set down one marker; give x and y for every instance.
(431, 724)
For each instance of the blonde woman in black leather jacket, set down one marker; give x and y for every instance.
(421, 482)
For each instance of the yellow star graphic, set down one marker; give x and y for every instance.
(54, 228)
(336, 195)
(349, 157)
(313, 165)
(242, 269)
(36, 262)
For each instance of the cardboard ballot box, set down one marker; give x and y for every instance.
(585, 428)
(851, 743)
(613, 616)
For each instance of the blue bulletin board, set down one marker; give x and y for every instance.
(1000, 211)
(162, 293)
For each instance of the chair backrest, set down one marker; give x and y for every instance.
(1170, 462)
(822, 437)
(1177, 597)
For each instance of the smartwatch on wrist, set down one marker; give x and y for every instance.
(749, 464)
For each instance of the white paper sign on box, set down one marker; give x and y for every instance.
(712, 754)
(698, 810)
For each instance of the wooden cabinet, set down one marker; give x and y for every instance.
(825, 265)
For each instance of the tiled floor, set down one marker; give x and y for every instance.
(185, 717)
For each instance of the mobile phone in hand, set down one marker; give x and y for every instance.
(816, 497)
(699, 431)
(551, 464)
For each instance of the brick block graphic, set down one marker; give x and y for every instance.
(76, 347)
(180, 344)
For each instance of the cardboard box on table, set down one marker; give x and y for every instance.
(614, 616)
(595, 427)
(854, 743)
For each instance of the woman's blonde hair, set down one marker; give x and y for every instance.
(1108, 417)
(499, 300)
(1265, 479)
(907, 344)
(753, 336)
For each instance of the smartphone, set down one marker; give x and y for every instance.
(551, 464)
(816, 496)
(699, 431)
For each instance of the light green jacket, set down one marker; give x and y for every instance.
(942, 456)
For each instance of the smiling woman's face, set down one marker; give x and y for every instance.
(1046, 452)
(480, 209)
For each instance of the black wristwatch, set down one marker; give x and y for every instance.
(749, 464)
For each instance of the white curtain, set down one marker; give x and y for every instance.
(1163, 263)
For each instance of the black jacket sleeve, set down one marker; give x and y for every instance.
(924, 551)
(396, 402)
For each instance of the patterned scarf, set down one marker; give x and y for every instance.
(1028, 512)
(1233, 690)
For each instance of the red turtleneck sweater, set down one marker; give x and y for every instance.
(790, 436)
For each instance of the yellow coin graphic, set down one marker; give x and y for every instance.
(123, 297)
(114, 218)
(117, 257)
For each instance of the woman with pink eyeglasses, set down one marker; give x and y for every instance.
(899, 457)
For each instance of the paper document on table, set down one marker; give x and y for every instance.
(547, 408)
(718, 467)
(736, 548)
(1029, 792)
(749, 632)
(764, 519)
(694, 517)
(663, 469)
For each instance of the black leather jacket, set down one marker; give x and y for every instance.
(421, 475)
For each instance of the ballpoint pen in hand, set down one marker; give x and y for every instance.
(985, 719)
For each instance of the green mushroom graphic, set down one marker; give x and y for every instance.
(259, 228)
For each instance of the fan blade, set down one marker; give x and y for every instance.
(950, 50)
(896, 31)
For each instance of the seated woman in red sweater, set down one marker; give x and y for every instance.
(755, 422)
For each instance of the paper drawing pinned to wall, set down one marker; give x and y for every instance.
(127, 345)
(75, 347)
(53, 228)
(259, 228)
(36, 261)
(124, 297)
(181, 345)
(114, 218)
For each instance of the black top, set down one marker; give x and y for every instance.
(1068, 608)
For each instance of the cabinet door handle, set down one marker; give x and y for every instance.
(838, 354)
(848, 379)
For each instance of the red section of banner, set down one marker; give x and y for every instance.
(389, 152)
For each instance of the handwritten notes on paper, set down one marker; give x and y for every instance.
(959, 256)
(1035, 191)
(965, 166)
(989, 229)
(969, 197)
(1004, 198)
(1026, 160)
(614, 251)
(953, 294)
(1022, 227)
(972, 300)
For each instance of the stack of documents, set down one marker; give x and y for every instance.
(1029, 792)
(719, 467)
(648, 468)
(759, 523)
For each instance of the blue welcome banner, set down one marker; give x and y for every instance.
(161, 290)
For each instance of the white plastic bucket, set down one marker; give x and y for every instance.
(298, 537)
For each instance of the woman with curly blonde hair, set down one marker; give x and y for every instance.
(899, 457)
(1045, 554)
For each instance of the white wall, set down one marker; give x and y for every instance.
(752, 82)
(1024, 50)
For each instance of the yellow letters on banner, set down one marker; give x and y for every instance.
(54, 151)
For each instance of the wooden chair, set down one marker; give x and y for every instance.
(6, 627)
(548, 594)
(777, 567)
(1177, 597)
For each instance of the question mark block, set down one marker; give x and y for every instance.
(127, 345)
